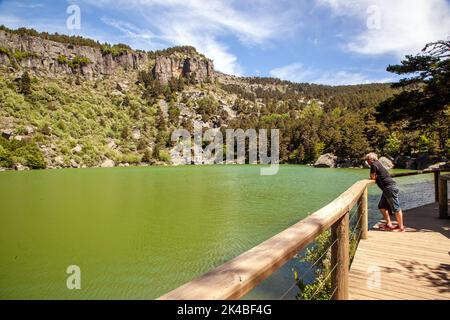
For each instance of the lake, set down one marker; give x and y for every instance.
(138, 232)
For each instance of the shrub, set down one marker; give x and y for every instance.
(20, 55)
(62, 59)
(5, 158)
(32, 155)
(25, 84)
(78, 62)
(115, 50)
(393, 145)
(147, 157)
(132, 158)
(164, 156)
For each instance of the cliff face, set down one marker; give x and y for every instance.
(51, 58)
(192, 67)
(45, 57)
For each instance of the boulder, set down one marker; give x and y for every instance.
(20, 167)
(47, 130)
(59, 161)
(388, 164)
(29, 130)
(136, 134)
(108, 163)
(7, 133)
(436, 166)
(122, 87)
(327, 160)
(74, 164)
(77, 149)
(112, 145)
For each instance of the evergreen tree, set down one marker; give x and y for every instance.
(25, 84)
(425, 100)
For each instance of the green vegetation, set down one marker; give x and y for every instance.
(18, 152)
(62, 59)
(115, 50)
(74, 63)
(320, 255)
(106, 48)
(183, 50)
(318, 258)
(424, 104)
(347, 121)
(24, 84)
(65, 116)
(15, 56)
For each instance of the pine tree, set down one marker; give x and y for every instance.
(25, 84)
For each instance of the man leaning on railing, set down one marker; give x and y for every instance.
(389, 199)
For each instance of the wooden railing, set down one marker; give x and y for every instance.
(443, 196)
(240, 275)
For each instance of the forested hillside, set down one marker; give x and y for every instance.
(117, 106)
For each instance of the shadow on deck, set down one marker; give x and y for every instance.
(410, 265)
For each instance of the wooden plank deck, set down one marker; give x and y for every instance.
(408, 266)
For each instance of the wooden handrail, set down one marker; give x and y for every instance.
(238, 276)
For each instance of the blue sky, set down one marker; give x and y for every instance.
(320, 41)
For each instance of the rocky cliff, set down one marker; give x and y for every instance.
(47, 57)
(190, 67)
(50, 57)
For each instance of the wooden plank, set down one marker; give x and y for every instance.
(237, 277)
(413, 265)
(360, 281)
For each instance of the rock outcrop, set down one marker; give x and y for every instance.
(108, 163)
(176, 66)
(45, 57)
(327, 160)
(388, 164)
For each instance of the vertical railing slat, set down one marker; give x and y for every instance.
(363, 214)
(340, 257)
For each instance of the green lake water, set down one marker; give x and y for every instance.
(139, 232)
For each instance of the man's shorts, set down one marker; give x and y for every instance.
(389, 199)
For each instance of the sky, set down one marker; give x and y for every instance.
(334, 42)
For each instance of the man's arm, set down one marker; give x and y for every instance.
(373, 172)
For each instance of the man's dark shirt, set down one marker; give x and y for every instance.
(384, 179)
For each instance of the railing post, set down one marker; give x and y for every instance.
(363, 215)
(340, 258)
(436, 185)
(443, 199)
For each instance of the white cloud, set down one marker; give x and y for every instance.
(405, 25)
(129, 29)
(205, 24)
(29, 6)
(297, 72)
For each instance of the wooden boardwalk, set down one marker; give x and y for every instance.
(410, 265)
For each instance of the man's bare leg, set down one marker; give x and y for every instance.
(399, 217)
(386, 217)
